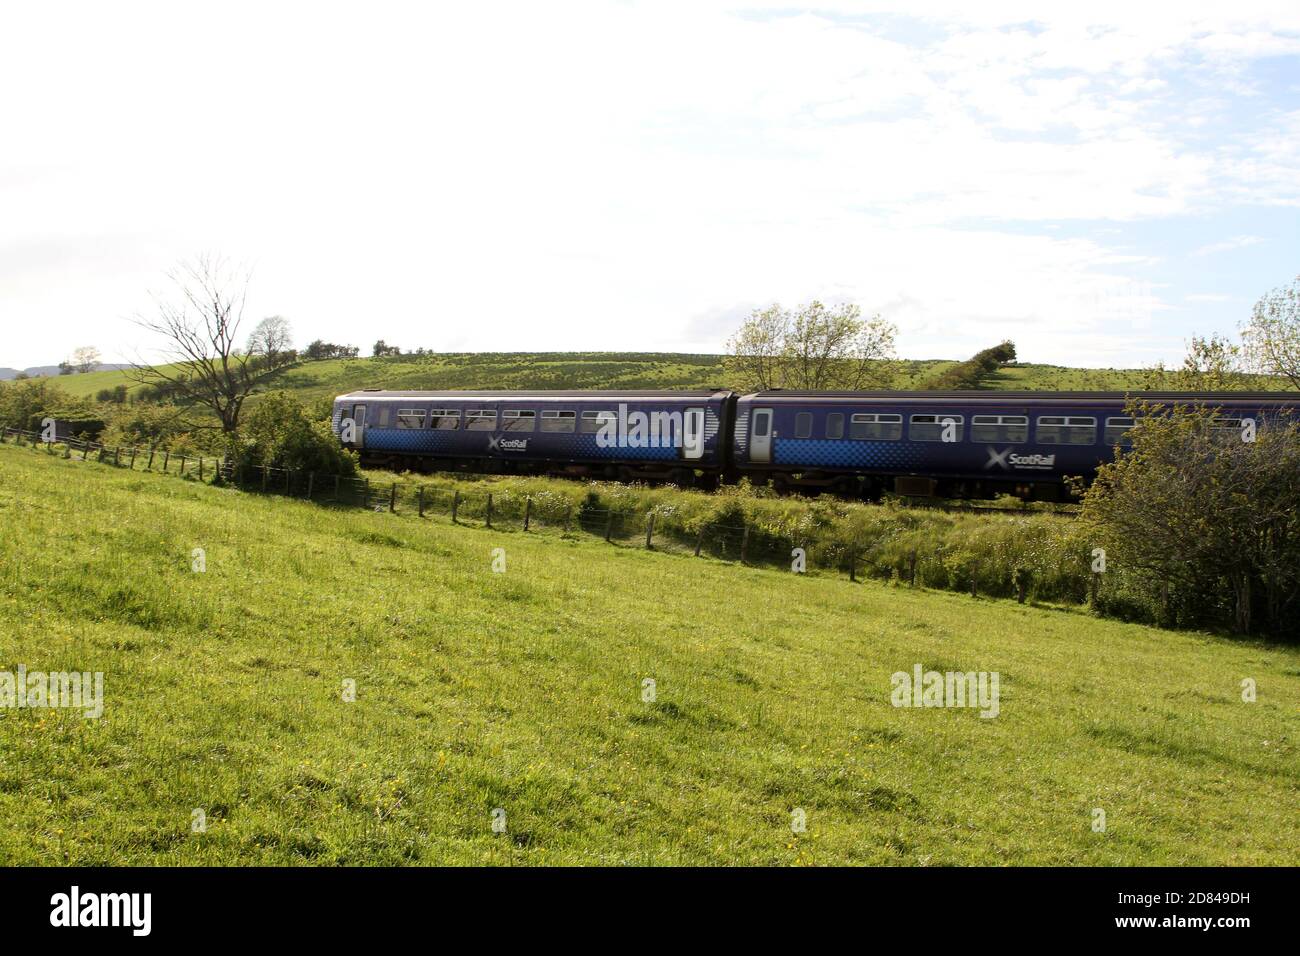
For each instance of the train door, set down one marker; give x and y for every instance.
(359, 426)
(693, 434)
(760, 435)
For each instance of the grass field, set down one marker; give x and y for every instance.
(523, 691)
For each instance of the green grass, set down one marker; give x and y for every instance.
(522, 691)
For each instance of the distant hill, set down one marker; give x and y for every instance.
(37, 371)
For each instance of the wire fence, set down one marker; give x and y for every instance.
(515, 511)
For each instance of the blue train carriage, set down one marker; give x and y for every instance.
(953, 444)
(675, 436)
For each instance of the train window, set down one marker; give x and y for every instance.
(1117, 430)
(444, 419)
(835, 425)
(559, 421)
(999, 428)
(518, 420)
(803, 425)
(480, 419)
(940, 427)
(876, 427)
(1066, 430)
(592, 420)
(383, 416)
(410, 418)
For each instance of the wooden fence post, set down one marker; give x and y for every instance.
(974, 580)
(911, 569)
(1022, 585)
(133, 451)
(85, 450)
(455, 505)
(366, 504)
(152, 449)
(568, 517)
(528, 511)
(419, 498)
(200, 467)
(266, 475)
(609, 524)
(392, 499)
(699, 541)
(744, 545)
(489, 510)
(650, 529)
(102, 449)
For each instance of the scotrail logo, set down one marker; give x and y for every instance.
(1033, 461)
(500, 443)
(1006, 461)
(652, 430)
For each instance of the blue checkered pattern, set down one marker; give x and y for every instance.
(826, 453)
(577, 447)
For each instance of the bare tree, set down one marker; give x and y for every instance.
(271, 338)
(201, 326)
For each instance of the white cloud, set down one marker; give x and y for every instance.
(1227, 245)
(619, 176)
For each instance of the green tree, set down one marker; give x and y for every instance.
(1272, 334)
(1203, 522)
(280, 432)
(23, 404)
(972, 372)
(813, 347)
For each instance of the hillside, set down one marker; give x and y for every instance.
(325, 379)
(48, 371)
(523, 691)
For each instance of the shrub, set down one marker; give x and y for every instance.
(1203, 525)
(280, 433)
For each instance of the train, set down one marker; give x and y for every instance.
(960, 444)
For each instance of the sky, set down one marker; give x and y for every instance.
(1097, 182)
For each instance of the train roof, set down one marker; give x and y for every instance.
(976, 395)
(542, 394)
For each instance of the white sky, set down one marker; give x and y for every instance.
(1096, 184)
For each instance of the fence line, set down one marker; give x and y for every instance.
(744, 543)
